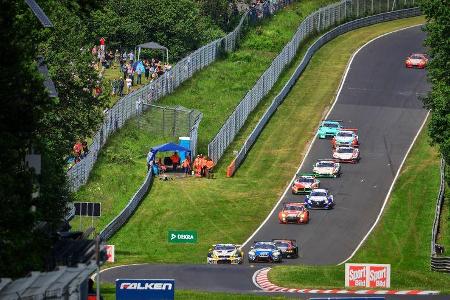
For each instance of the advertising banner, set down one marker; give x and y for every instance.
(144, 289)
(110, 249)
(368, 275)
(182, 236)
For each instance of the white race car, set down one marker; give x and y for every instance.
(225, 254)
(327, 168)
(346, 154)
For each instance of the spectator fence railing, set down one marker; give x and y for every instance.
(129, 106)
(320, 20)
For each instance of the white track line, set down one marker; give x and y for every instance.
(315, 137)
(389, 192)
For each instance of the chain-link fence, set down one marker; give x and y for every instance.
(131, 105)
(320, 20)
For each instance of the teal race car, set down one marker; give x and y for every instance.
(329, 128)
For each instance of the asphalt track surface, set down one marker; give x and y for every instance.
(379, 97)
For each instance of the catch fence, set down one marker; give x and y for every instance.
(320, 20)
(439, 262)
(131, 105)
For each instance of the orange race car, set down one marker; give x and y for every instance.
(416, 60)
(293, 212)
(304, 183)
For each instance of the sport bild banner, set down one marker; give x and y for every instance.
(144, 289)
(368, 275)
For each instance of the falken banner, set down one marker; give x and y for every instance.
(144, 289)
(368, 275)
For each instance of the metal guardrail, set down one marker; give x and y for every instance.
(128, 106)
(439, 263)
(341, 29)
(128, 211)
(326, 17)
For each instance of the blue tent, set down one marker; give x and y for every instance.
(164, 148)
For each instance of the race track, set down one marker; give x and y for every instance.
(379, 97)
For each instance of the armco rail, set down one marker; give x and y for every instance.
(301, 67)
(128, 211)
(128, 106)
(326, 17)
(439, 263)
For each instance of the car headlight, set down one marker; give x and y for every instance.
(251, 253)
(276, 253)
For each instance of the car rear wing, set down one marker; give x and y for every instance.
(296, 203)
(355, 130)
(326, 159)
(305, 174)
(329, 120)
(291, 240)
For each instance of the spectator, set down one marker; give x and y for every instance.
(94, 51)
(84, 144)
(209, 168)
(146, 69)
(128, 80)
(186, 165)
(77, 148)
(117, 56)
(102, 44)
(121, 85)
(125, 71)
(131, 56)
(139, 75)
(175, 161)
(115, 86)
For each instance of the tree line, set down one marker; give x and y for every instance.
(32, 205)
(438, 99)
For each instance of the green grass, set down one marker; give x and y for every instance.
(109, 293)
(223, 209)
(215, 91)
(402, 238)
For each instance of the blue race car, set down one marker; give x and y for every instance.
(329, 128)
(264, 252)
(319, 199)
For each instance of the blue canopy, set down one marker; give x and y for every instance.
(164, 148)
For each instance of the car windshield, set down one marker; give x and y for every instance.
(282, 244)
(293, 207)
(345, 150)
(345, 134)
(416, 56)
(309, 180)
(318, 194)
(325, 164)
(265, 246)
(224, 247)
(331, 125)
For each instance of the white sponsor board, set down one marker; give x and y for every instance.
(368, 275)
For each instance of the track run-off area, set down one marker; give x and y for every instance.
(379, 97)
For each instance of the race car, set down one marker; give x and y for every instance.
(346, 137)
(346, 154)
(304, 183)
(329, 128)
(293, 212)
(225, 254)
(319, 199)
(327, 168)
(289, 248)
(264, 252)
(416, 60)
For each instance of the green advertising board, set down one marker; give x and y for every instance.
(182, 236)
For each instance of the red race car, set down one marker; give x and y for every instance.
(416, 60)
(293, 212)
(304, 183)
